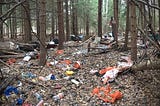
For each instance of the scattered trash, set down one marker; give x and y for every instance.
(58, 86)
(72, 73)
(59, 52)
(67, 62)
(93, 71)
(58, 96)
(38, 96)
(28, 75)
(77, 65)
(11, 61)
(106, 94)
(75, 82)
(19, 101)
(40, 103)
(69, 73)
(9, 90)
(103, 71)
(26, 58)
(110, 75)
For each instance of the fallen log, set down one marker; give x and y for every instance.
(146, 65)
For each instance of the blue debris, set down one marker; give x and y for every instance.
(10, 89)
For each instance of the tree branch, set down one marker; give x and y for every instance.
(10, 10)
(143, 2)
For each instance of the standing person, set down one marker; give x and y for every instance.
(113, 25)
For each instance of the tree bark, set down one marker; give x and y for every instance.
(133, 32)
(53, 19)
(14, 26)
(76, 18)
(116, 20)
(67, 21)
(1, 23)
(87, 25)
(60, 24)
(100, 18)
(159, 15)
(37, 15)
(87, 14)
(27, 24)
(127, 26)
(154, 16)
(42, 20)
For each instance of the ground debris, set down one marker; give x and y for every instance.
(61, 76)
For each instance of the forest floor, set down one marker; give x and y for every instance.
(138, 88)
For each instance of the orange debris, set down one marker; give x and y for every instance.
(59, 52)
(103, 71)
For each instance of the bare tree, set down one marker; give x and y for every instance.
(1, 22)
(37, 15)
(74, 17)
(159, 15)
(27, 24)
(67, 21)
(127, 26)
(115, 2)
(60, 23)
(100, 18)
(14, 26)
(133, 31)
(42, 20)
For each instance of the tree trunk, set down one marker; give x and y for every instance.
(127, 26)
(133, 32)
(1, 23)
(67, 21)
(116, 20)
(27, 24)
(159, 15)
(150, 24)
(76, 18)
(73, 18)
(37, 15)
(22, 22)
(143, 23)
(56, 25)
(87, 25)
(60, 23)
(154, 16)
(14, 26)
(100, 18)
(42, 20)
(53, 19)
(87, 20)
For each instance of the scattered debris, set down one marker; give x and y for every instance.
(69, 78)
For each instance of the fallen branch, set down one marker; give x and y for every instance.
(30, 82)
(146, 65)
(144, 35)
(12, 56)
(12, 68)
(7, 82)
